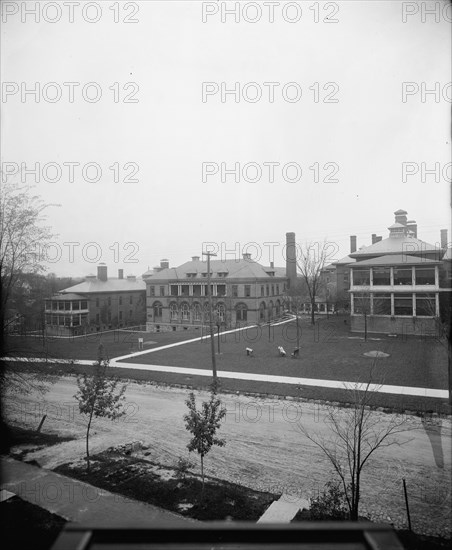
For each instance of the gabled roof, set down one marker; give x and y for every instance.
(110, 285)
(241, 269)
(394, 245)
(397, 259)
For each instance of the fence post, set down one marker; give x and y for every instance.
(406, 504)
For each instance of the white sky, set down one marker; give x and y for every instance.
(170, 132)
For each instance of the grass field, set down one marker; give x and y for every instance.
(327, 351)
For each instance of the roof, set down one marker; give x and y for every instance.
(110, 285)
(395, 245)
(400, 212)
(397, 259)
(68, 296)
(234, 269)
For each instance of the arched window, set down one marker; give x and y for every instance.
(262, 311)
(278, 308)
(185, 311)
(206, 312)
(220, 312)
(173, 312)
(197, 315)
(241, 311)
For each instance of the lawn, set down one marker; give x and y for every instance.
(115, 343)
(327, 351)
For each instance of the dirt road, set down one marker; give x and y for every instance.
(264, 448)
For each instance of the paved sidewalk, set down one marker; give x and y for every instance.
(78, 501)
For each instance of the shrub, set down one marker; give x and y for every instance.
(330, 505)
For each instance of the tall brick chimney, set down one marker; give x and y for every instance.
(102, 272)
(291, 259)
(443, 238)
(120, 273)
(352, 244)
(164, 264)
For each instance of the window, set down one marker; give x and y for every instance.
(361, 303)
(185, 312)
(425, 305)
(262, 311)
(277, 290)
(403, 304)
(120, 300)
(174, 290)
(120, 315)
(402, 276)
(76, 305)
(157, 310)
(235, 291)
(185, 290)
(267, 289)
(220, 313)
(84, 305)
(109, 301)
(361, 277)
(247, 291)
(131, 299)
(197, 312)
(381, 276)
(67, 321)
(273, 290)
(262, 290)
(97, 302)
(162, 291)
(196, 290)
(425, 275)
(173, 312)
(67, 306)
(241, 312)
(152, 291)
(382, 304)
(221, 290)
(54, 305)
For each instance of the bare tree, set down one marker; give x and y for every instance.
(23, 238)
(356, 432)
(310, 264)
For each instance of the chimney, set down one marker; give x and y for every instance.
(272, 265)
(164, 264)
(195, 258)
(400, 216)
(352, 244)
(247, 256)
(412, 226)
(291, 259)
(443, 238)
(374, 238)
(120, 273)
(102, 272)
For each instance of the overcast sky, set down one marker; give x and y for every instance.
(354, 123)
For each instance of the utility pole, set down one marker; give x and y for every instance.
(209, 297)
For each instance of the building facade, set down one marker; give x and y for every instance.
(98, 303)
(395, 282)
(242, 291)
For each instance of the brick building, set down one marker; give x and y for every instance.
(98, 303)
(243, 291)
